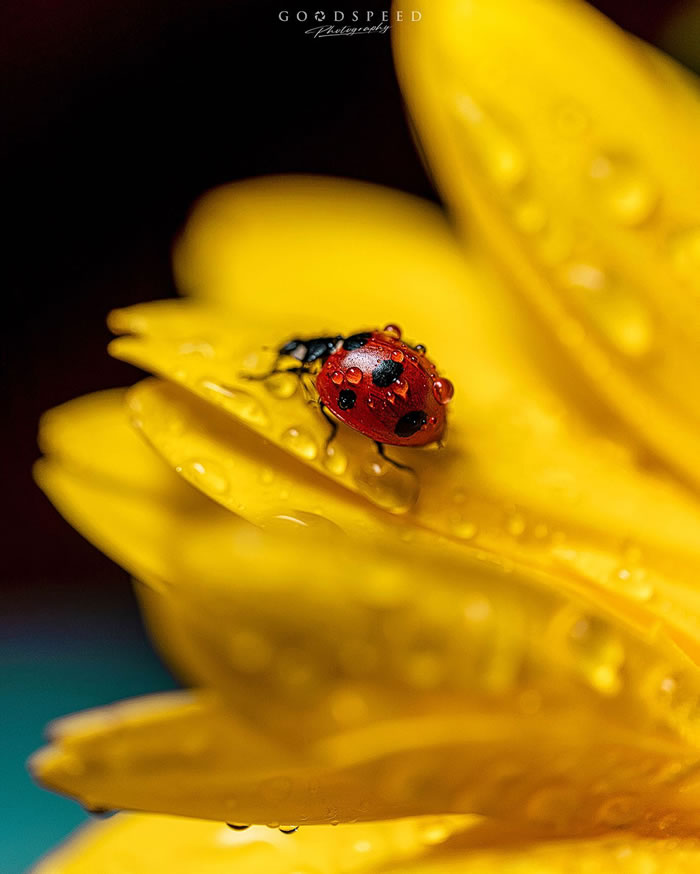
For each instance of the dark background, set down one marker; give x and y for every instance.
(120, 113)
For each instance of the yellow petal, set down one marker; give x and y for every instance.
(574, 148)
(521, 477)
(138, 844)
(495, 695)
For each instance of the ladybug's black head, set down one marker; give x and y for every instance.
(311, 349)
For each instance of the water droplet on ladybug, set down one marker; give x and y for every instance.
(337, 377)
(420, 349)
(391, 397)
(443, 390)
(401, 387)
(393, 331)
(370, 401)
(397, 355)
(354, 376)
(432, 420)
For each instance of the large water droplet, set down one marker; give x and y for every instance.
(625, 190)
(300, 442)
(501, 156)
(208, 475)
(387, 486)
(615, 311)
(240, 403)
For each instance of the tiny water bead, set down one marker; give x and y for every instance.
(625, 190)
(288, 829)
(401, 387)
(389, 487)
(337, 377)
(443, 390)
(300, 442)
(420, 349)
(397, 355)
(354, 375)
(334, 459)
(393, 331)
(239, 827)
(210, 476)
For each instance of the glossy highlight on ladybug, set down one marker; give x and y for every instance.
(374, 382)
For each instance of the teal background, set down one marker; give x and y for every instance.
(77, 647)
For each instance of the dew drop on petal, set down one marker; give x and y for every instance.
(288, 829)
(240, 403)
(208, 475)
(616, 312)
(239, 827)
(300, 442)
(465, 529)
(387, 486)
(335, 460)
(625, 190)
(282, 385)
(393, 331)
(354, 375)
(501, 157)
(684, 251)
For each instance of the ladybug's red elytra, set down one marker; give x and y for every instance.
(375, 383)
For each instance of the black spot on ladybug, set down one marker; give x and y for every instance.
(409, 423)
(346, 399)
(357, 341)
(386, 372)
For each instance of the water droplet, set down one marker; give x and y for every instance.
(300, 519)
(288, 829)
(208, 475)
(337, 377)
(386, 486)
(684, 248)
(463, 528)
(598, 652)
(515, 525)
(443, 390)
(397, 355)
(626, 191)
(501, 156)
(335, 460)
(282, 385)
(530, 216)
(401, 387)
(240, 403)
(393, 331)
(434, 832)
(420, 349)
(633, 582)
(239, 827)
(354, 375)
(267, 476)
(618, 314)
(300, 442)
(620, 811)
(390, 396)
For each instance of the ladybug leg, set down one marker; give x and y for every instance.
(331, 421)
(381, 449)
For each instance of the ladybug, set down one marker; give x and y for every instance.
(375, 383)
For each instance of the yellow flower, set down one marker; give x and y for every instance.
(463, 667)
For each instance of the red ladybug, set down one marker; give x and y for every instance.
(375, 383)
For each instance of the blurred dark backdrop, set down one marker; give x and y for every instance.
(119, 114)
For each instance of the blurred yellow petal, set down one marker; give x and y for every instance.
(574, 148)
(527, 482)
(495, 695)
(138, 844)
